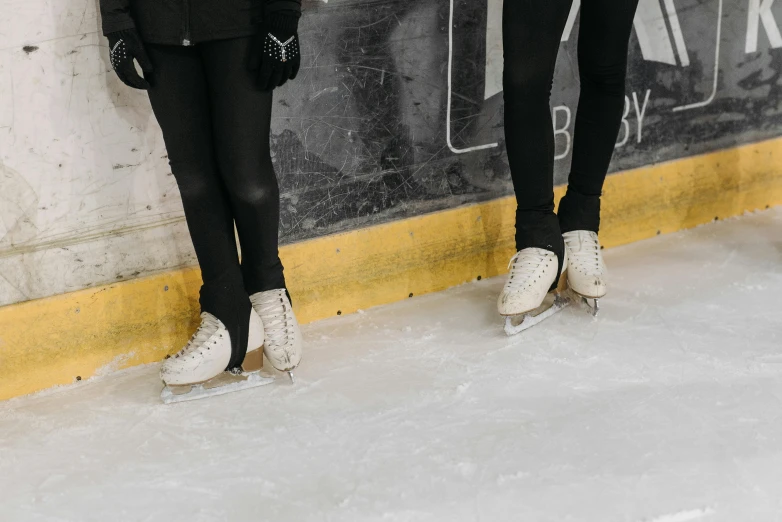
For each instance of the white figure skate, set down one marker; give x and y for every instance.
(199, 369)
(283, 336)
(525, 300)
(586, 274)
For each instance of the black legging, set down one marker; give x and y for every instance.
(531, 36)
(215, 124)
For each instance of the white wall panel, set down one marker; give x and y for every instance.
(84, 182)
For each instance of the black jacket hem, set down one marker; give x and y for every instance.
(120, 24)
(197, 39)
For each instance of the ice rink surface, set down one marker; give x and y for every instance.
(666, 408)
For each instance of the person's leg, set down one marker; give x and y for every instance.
(241, 119)
(532, 30)
(603, 40)
(180, 100)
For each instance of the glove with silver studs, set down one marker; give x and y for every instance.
(125, 47)
(275, 56)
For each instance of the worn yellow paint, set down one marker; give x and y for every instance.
(59, 339)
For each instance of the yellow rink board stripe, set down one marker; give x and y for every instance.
(60, 339)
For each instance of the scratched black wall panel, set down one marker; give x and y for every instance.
(685, 116)
(361, 137)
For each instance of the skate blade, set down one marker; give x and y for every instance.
(245, 377)
(553, 303)
(224, 383)
(592, 308)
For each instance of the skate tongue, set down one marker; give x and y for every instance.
(525, 262)
(584, 249)
(580, 240)
(209, 325)
(275, 313)
(276, 332)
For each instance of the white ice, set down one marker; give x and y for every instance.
(667, 408)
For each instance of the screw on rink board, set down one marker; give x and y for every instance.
(339, 312)
(411, 294)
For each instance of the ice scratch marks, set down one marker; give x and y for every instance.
(684, 516)
(504, 479)
(770, 359)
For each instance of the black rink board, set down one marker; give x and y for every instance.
(360, 137)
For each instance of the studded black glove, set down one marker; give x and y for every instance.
(275, 55)
(124, 47)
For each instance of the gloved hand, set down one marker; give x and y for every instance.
(125, 46)
(275, 56)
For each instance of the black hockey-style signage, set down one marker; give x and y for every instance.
(398, 107)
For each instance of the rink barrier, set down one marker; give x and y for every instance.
(71, 337)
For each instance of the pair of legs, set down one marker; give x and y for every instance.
(216, 125)
(532, 31)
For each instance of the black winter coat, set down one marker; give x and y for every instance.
(188, 22)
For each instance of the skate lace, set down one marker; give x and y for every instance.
(522, 266)
(584, 251)
(208, 327)
(278, 319)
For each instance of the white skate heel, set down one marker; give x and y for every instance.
(587, 271)
(199, 369)
(283, 344)
(525, 300)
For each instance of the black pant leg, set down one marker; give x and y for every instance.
(603, 41)
(532, 30)
(241, 121)
(180, 101)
